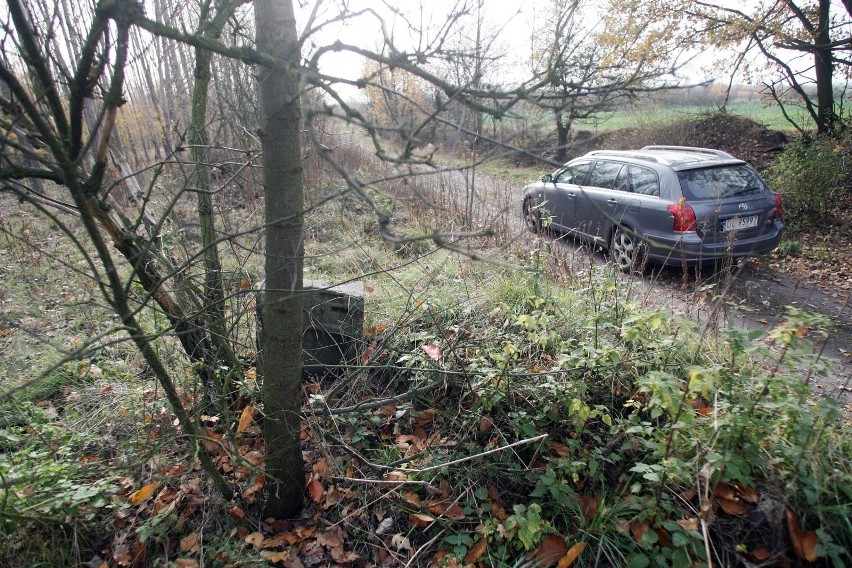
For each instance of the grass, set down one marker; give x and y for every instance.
(769, 116)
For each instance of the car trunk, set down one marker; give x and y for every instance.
(740, 217)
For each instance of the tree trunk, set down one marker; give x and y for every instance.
(824, 70)
(562, 131)
(280, 111)
(199, 140)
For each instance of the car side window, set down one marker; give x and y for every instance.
(574, 174)
(605, 174)
(622, 181)
(644, 181)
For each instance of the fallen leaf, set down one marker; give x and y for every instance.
(452, 511)
(189, 543)
(401, 542)
(186, 563)
(548, 553)
(639, 530)
(143, 494)
(246, 418)
(315, 489)
(732, 507)
(572, 555)
(688, 524)
(476, 551)
(722, 489)
(759, 555)
(804, 542)
(589, 506)
(432, 350)
(275, 557)
(424, 418)
(255, 540)
(369, 352)
(385, 527)
(420, 520)
(237, 513)
(747, 494)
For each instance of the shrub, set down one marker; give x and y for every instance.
(809, 174)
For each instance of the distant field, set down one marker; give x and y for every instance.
(769, 116)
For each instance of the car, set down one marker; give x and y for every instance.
(661, 204)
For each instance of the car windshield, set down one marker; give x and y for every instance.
(721, 182)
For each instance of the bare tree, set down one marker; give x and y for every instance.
(805, 47)
(593, 57)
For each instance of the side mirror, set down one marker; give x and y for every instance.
(547, 178)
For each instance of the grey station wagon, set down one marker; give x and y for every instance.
(664, 204)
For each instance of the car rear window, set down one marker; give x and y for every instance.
(721, 182)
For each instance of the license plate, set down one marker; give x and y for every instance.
(739, 223)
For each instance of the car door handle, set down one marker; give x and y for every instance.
(612, 201)
(571, 195)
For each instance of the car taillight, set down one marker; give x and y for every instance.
(684, 216)
(779, 206)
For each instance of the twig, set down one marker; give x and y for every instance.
(381, 481)
(475, 456)
(379, 403)
(424, 547)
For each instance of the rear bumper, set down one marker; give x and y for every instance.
(689, 249)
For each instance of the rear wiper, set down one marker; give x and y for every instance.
(746, 189)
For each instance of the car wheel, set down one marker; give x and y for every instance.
(532, 216)
(626, 251)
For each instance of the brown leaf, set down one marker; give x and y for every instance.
(452, 511)
(255, 540)
(237, 513)
(560, 450)
(486, 425)
(747, 494)
(804, 542)
(572, 555)
(724, 490)
(121, 555)
(212, 441)
(420, 520)
(494, 494)
(639, 530)
(315, 489)
(369, 352)
(275, 557)
(189, 543)
(589, 506)
(732, 507)
(424, 418)
(476, 551)
(144, 493)
(432, 350)
(759, 555)
(246, 418)
(689, 524)
(551, 549)
(186, 563)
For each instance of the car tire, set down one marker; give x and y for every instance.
(532, 217)
(627, 251)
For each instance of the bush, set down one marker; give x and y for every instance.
(809, 174)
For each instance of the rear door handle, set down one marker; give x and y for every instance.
(612, 201)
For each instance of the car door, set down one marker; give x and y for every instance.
(561, 195)
(598, 201)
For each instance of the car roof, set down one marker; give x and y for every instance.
(675, 157)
